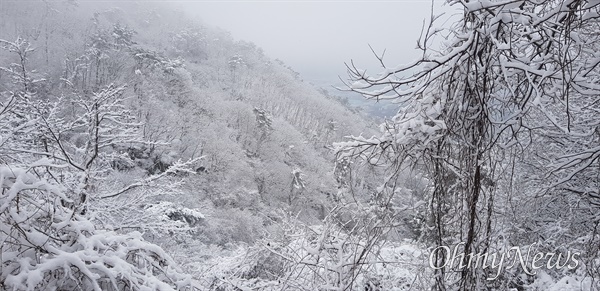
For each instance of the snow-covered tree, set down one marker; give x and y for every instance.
(515, 80)
(46, 244)
(57, 154)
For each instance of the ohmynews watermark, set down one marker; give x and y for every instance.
(500, 261)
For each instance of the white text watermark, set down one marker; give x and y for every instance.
(530, 261)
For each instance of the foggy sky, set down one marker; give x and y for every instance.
(316, 37)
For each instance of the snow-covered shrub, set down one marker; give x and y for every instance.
(231, 225)
(319, 257)
(169, 211)
(48, 245)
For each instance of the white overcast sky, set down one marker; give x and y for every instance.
(316, 37)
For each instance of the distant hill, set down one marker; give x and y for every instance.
(370, 108)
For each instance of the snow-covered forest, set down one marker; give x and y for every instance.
(142, 149)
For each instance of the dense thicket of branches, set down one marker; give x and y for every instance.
(504, 120)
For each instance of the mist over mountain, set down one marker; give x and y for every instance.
(376, 110)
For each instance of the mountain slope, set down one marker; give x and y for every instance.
(162, 128)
